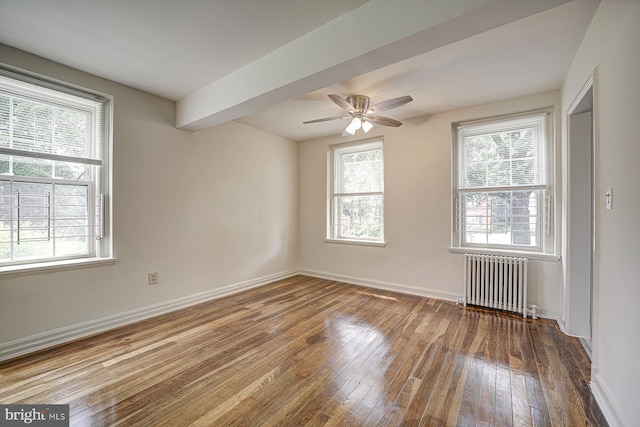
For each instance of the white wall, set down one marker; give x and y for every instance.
(186, 205)
(416, 259)
(612, 44)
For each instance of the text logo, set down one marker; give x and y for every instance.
(34, 415)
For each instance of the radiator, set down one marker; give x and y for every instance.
(496, 282)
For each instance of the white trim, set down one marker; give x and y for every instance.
(586, 344)
(513, 120)
(357, 242)
(564, 329)
(545, 313)
(15, 270)
(407, 289)
(334, 174)
(590, 84)
(30, 344)
(595, 261)
(605, 400)
(43, 89)
(512, 188)
(538, 256)
(49, 156)
(378, 284)
(546, 241)
(372, 193)
(583, 92)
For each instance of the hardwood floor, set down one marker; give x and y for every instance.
(306, 351)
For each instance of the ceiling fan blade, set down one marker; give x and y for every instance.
(341, 101)
(390, 103)
(326, 119)
(384, 121)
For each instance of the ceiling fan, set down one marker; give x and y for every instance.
(362, 115)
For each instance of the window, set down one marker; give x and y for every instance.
(501, 184)
(53, 171)
(356, 193)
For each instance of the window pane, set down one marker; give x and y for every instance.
(476, 175)
(358, 217)
(25, 166)
(71, 132)
(501, 218)
(360, 172)
(4, 121)
(523, 171)
(523, 143)
(507, 158)
(5, 221)
(40, 220)
(32, 126)
(44, 128)
(33, 249)
(31, 220)
(5, 246)
(42, 168)
(72, 221)
(499, 173)
(476, 149)
(72, 171)
(5, 166)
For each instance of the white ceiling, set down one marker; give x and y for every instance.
(181, 50)
(166, 47)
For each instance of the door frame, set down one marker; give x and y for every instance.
(589, 88)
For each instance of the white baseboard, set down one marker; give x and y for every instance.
(21, 346)
(412, 290)
(387, 286)
(603, 396)
(548, 314)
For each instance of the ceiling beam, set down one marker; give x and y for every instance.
(376, 34)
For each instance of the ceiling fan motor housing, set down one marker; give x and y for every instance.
(360, 102)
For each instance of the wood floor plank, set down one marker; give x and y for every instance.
(487, 400)
(309, 351)
(519, 398)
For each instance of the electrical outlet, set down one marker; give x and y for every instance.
(261, 215)
(153, 278)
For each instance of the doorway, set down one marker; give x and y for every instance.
(580, 252)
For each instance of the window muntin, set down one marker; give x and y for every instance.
(502, 196)
(53, 171)
(356, 205)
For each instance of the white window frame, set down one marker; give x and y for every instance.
(334, 234)
(98, 159)
(544, 246)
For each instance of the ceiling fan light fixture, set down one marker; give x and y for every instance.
(355, 124)
(366, 126)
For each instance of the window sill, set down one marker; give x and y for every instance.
(54, 266)
(524, 254)
(357, 242)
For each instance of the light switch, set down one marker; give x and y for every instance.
(608, 199)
